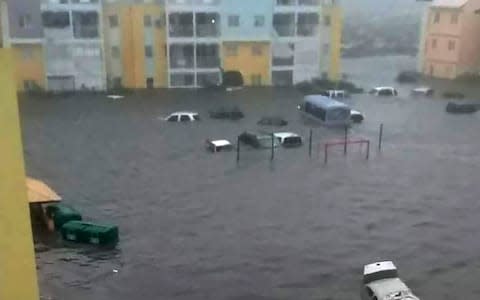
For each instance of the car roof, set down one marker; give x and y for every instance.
(220, 143)
(324, 102)
(385, 287)
(285, 134)
(384, 88)
(378, 267)
(422, 89)
(184, 113)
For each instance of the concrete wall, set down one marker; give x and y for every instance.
(18, 8)
(17, 259)
(247, 63)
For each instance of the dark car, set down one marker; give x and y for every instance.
(258, 140)
(272, 121)
(230, 114)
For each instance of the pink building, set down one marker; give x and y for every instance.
(451, 44)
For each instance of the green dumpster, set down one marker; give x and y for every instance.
(90, 233)
(61, 214)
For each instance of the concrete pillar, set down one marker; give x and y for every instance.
(18, 279)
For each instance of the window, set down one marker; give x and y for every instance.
(117, 82)
(327, 20)
(259, 21)
(115, 52)
(25, 21)
(184, 118)
(148, 51)
(451, 45)
(436, 19)
(149, 83)
(160, 22)
(147, 21)
(233, 21)
(257, 50)
(454, 19)
(113, 21)
(172, 119)
(434, 43)
(231, 50)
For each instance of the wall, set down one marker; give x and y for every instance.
(469, 56)
(247, 10)
(18, 279)
(247, 63)
(17, 8)
(29, 65)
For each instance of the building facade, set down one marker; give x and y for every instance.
(135, 44)
(451, 45)
(21, 30)
(73, 43)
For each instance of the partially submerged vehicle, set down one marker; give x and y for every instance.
(259, 141)
(227, 113)
(335, 94)
(356, 116)
(272, 121)
(326, 110)
(384, 91)
(464, 108)
(90, 233)
(289, 139)
(423, 91)
(381, 282)
(183, 116)
(219, 145)
(453, 95)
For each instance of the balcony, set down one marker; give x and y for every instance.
(180, 25)
(283, 54)
(284, 24)
(181, 56)
(208, 24)
(307, 24)
(85, 25)
(208, 56)
(286, 2)
(284, 30)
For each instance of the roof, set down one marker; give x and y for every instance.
(449, 3)
(324, 102)
(184, 113)
(384, 88)
(422, 89)
(378, 266)
(285, 134)
(385, 287)
(220, 143)
(39, 192)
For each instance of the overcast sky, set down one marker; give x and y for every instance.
(382, 7)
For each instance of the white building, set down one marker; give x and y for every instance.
(73, 44)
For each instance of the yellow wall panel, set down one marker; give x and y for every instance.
(18, 279)
(247, 63)
(336, 17)
(29, 65)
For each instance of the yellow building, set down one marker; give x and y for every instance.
(29, 66)
(334, 15)
(252, 59)
(135, 45)
(18, 279)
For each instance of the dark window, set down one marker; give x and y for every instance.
(196, 117)
(184, 118)
(147, 21)
(233, 21)
(25, 21)
(316, 111)
(113, 21)
(148, 51)
(117, 82)
(327, 20)
(149, 83)
(85, 24)
(259, 21)
(386, 92)
(160, 22)
(52, 19)
(173, 119)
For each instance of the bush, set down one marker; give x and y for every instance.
(453, 95)
(468, 77)
(408, 77)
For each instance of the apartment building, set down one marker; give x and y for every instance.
(135, 44)
(73, 43)
(451, 45)
(21, 30)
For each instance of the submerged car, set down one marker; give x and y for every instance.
(423, 91)
(464, 108)
(224, 113)
(381, 282)
(289, 139)
(384, 91)
(183, 116)
(272, 121)
(258, 140)
(335, 94)
(356, 116)
(219, 145)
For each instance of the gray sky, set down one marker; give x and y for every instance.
(382, 7)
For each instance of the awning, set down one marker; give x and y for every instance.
(39, 192)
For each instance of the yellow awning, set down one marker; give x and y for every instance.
(39, 192)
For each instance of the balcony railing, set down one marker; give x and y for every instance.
(282, 61)
(181, 30)
(208, 61)
(307, 29)
(284, 30)
(207, 30)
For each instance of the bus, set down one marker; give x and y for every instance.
(326, 110)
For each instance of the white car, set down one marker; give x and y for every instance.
(356, 116)
(288, 139)
(384, 91)
(381, 282)
(423, 91)
(219, 145)
(335, 94)
(183, 116)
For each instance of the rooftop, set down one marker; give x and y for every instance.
(325, 102)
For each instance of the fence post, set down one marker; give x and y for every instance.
(326, 154)
(273, 146)
(380, 137)
(238, 149)
(345, 142)
(310, 143)
(368, 150)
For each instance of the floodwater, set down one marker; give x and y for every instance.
(196, 225)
